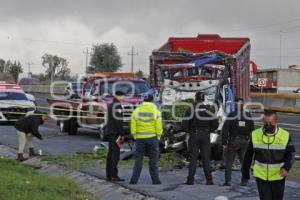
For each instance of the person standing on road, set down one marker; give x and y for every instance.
(199, 122)
(274, 155)
(146, 128)
(27, 127)
(235, 137)
(114, 130)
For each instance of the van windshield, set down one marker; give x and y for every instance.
(12, 96)
(126, 88)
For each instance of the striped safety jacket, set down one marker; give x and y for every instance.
(271, 153)
(146, 121)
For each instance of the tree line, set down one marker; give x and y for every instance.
(105, 58)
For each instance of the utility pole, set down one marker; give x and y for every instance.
(132, 54)
(29, 64)
(52, 74)
(87, 54)
(280, 50)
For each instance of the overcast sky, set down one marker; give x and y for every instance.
(31, 28)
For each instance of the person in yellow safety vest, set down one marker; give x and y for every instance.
(146, 128)
(274, 155)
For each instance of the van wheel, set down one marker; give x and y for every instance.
(64, 126)
(73, 127)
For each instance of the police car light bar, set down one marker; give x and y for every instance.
(10, 86)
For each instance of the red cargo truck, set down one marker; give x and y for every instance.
(217, 66)
(183, 50)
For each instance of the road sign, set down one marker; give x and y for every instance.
(262, 82)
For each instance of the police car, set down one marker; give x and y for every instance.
(14, 103)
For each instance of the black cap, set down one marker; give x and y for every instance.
(148, 97)
(200, 96)
(119, 93)
(268, 112)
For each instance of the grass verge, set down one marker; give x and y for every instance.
(20, 182)
(296, 168)
(82, 160)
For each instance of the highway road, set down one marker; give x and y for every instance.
(289, 121)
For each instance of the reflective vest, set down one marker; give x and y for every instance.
(269, 154)
(146, 121)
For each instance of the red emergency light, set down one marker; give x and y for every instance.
(6, 86)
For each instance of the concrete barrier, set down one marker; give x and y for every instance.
(44, 89)
(281, 102)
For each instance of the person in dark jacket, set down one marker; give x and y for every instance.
(114, 130)
(199, 122)
(27, 127)
(273, 153)
(235, 137)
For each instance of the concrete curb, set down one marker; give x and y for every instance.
(99, 188)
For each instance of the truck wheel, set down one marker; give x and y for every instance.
(217, 152)
(73, 127)
(64, 126)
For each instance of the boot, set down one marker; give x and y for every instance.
(227, 183)
(244, 182)
(21, 157)
(32, 153)
(209, 182)
(189, 181)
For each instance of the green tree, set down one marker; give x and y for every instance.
(105, 59)
(2, 65)
(63, 72)
(7, 65)
(14, 69)
(56, 67)
(140, 74)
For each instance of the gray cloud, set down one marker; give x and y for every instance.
(66, 27)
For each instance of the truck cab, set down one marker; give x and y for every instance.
(131, 88)
(89, 109)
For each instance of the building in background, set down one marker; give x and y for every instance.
(277, 80)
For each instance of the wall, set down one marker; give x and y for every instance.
(281, 102)
(288, 80)
(44, 89)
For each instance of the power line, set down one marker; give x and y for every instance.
(275, 48)
(263, 26)
(8, 37)
(277, 56)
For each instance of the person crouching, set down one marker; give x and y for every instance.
(27, 128)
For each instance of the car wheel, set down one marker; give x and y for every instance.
(64, 126)
(73, 127)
